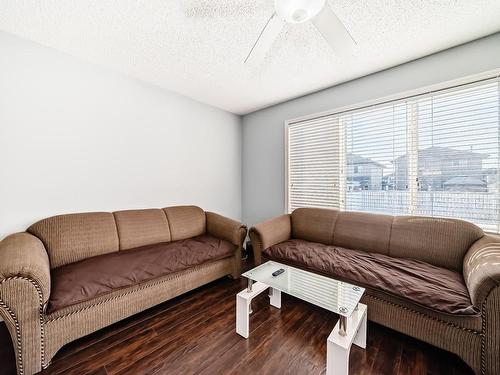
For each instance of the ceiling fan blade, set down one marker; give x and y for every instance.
(334, 31)
(269, 33)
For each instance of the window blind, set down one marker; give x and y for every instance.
(458, 144)
(313, 161)
(435, 154)
(375, 137)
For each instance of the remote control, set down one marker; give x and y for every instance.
(278, 272)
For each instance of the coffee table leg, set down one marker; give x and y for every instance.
(275, 297)
(360, 338)
(347, 332)
(337, 359)
(242, 316)
(343, 326)
(243, 307)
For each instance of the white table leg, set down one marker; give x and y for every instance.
(337, 359)
(243, 300)
(275, 297)
(360, 338)
(339, 345)
(242, 313)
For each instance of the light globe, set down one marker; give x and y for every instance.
(298, 11)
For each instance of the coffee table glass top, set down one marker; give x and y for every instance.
(337, 296)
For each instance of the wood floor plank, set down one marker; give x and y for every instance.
(161, 332)
(388, 355)
(198, 345)
(272, 324)
(170, 316)
(195, 299)
(314, 329)
(362, 360)
(412, 361)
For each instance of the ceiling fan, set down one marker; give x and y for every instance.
(318, 12)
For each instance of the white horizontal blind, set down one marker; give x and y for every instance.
(458, 144)
(313, 163)
(435, 154)
(374, 138)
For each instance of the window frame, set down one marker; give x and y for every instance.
(401, 96)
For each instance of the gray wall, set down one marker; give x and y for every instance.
(263, 131)
(77, 137)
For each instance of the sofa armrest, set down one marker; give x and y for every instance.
(229, 230)
(269, 233)
(226, 229)
(481, 268)
(23, 256)
(24, 292)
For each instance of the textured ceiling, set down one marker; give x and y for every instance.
(197, 47)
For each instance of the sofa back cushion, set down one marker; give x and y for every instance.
(73, 237)
(141, 227)
(363, 231)
(185, 221)
(438, 241)
(314, 224)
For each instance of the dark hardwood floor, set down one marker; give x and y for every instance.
(195, 334)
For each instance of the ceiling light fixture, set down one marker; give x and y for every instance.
(318, 12)
(298, 11)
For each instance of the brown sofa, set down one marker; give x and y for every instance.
(435, 279)
(70, 275)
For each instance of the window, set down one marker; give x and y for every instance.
(435, 154)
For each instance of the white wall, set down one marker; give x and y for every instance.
(263, 131)
(76, 137)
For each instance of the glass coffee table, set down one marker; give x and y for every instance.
(333, 295)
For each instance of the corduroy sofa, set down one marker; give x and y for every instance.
(70, 275)
(435, 279)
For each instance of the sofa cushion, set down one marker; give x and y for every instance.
(439, 241)
(185, 221)
(363, 231)
(73, 237)
(427, 285)
(141, 227)
(93, 277)
(314, 224)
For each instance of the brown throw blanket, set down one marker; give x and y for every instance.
(433, 287)
(93, 277)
